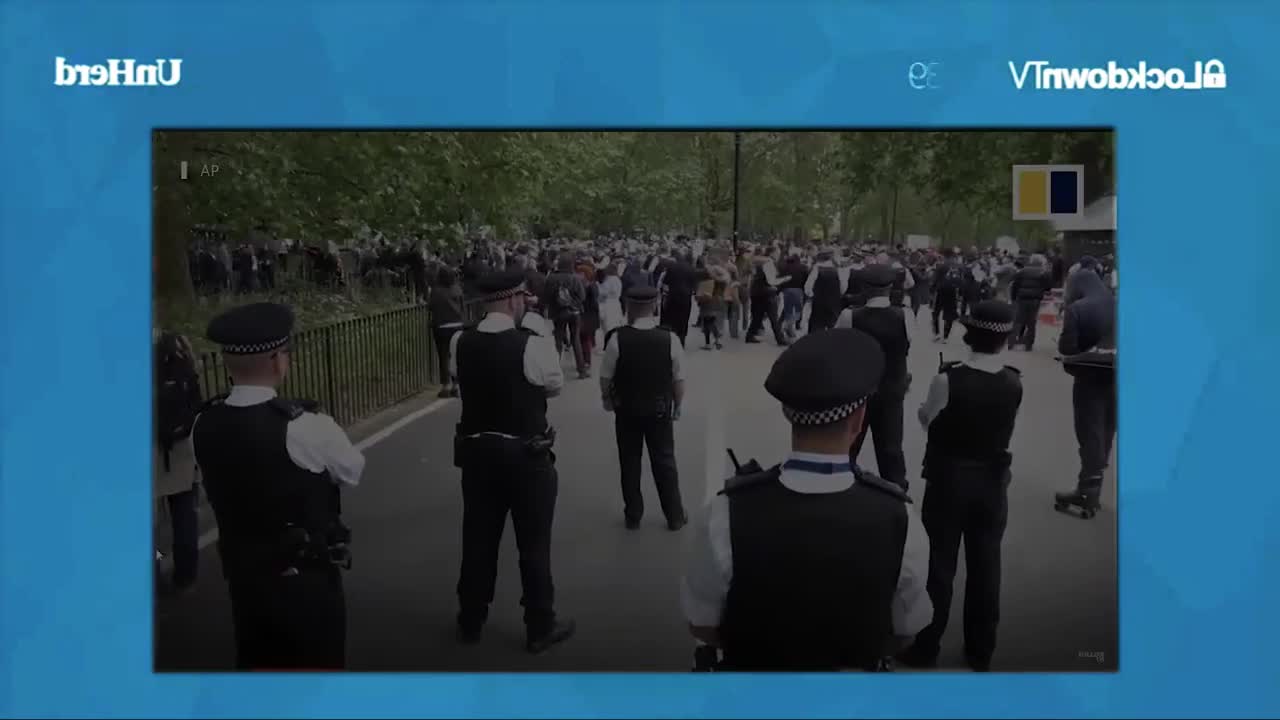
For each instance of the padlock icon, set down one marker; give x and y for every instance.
(1215, 75)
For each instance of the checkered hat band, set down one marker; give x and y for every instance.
(255, 348)
(821, 417)
(990, 326)
(503, 295)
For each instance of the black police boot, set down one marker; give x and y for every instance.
(680, 522)
(560, 631)
(469, 628)
(977, 663)
(917, 657)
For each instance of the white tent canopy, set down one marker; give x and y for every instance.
(1098, 216)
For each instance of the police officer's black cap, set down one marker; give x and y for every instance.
(500, 285)
(641, 294)
(878, 275)
(252, 329)
(992, 316)
(826, 376)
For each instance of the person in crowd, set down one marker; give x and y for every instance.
(1087, 346)
(445, 310)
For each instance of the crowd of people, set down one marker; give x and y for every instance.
(622, 308)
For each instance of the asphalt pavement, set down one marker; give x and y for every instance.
(1059, 593)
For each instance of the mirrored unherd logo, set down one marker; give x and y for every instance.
(115, 72)
(1207, 75)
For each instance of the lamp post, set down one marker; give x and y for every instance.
(737, 168)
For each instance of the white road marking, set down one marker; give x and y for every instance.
(211, 536)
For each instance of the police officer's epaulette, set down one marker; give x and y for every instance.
(610, 333)
(950, 364)
(875, 481)
(1015, 370)
(528, 331)
(214, 401)
(742, 482)
(293, 409)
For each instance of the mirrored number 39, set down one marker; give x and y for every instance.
(922, 76)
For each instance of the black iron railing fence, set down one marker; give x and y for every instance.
(353, 368)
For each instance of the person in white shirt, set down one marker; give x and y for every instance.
(642, 384)
(764, 295)
(812, 565)
(505, 373)
(272, 471)
(969, 415)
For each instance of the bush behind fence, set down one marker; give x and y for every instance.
(353, 368)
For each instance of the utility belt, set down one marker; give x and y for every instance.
(295, 551)
(951, 469)
(469, 447)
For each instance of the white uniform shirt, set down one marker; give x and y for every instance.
(880, 301)
(813, 276)
(541, 361)
(710, 569)
(939, 390)
(771, 274)
(314, 440)
(908, 280)
(609, 365)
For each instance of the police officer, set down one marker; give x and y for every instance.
(824, 287)
(1028, 289)
(969, 413)
(903, 280)
(643, 387)
(888, 324)
(854, 292)
(272, 469)
(505, 373)
(812, 565)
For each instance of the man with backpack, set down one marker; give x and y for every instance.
(175, 475)
(563, 298)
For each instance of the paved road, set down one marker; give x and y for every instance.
(1059, 593)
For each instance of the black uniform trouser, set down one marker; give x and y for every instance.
(567, 335)
(296, 622)
(762, 307)
(1025, 317)
(1094, 405)
(675, 316)
(916, 301)
(969, 506)
(822, 318)
(268, 275)
(493, 487)
(633, 434)
(946, 308)
(443, 337)
(185, 522)
(884, 424)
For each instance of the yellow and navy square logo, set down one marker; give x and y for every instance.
(1048, 192)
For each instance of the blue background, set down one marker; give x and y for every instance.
(1199, 483)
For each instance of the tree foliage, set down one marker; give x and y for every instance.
(441, 185)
